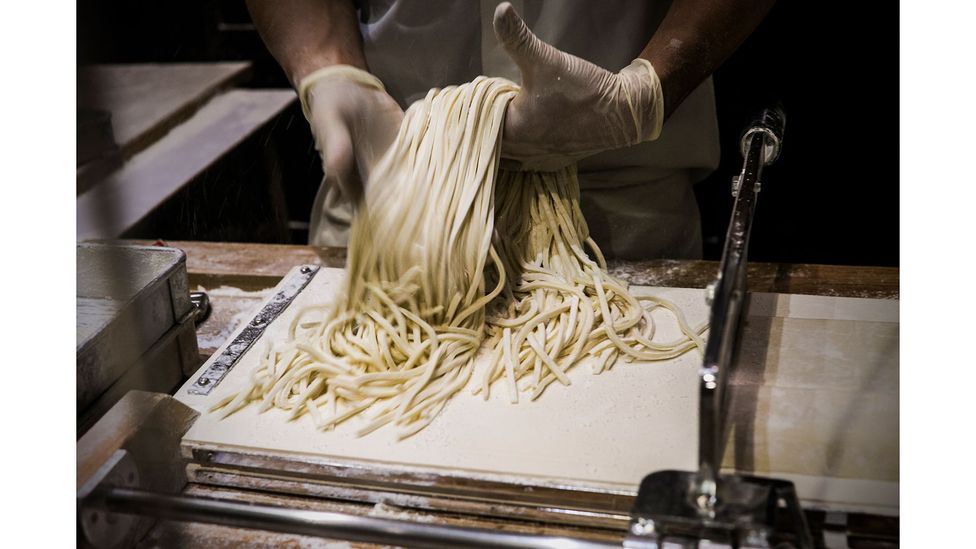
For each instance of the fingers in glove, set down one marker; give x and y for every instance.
(522, 45)
(376, 133)
(339, 160)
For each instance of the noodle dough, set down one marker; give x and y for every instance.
(448, 252)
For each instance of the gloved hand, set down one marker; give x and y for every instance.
(353, 120)
(569, 108)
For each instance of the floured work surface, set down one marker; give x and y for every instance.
(818, 405)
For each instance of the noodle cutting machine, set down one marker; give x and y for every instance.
(134, 465)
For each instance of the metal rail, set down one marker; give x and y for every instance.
(320, 523)
(243, 341)
(760, 146)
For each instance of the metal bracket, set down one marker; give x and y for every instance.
(102, 528)
(219, 368)
(737, 183)
(750, 512)
(773, 142)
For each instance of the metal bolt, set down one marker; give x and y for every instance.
(642, 527)
(203, 381)
(710, 293)
(710, 381)
(258, 320)
(306, 269)
(758, 538)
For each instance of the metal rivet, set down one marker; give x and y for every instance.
(306, 269)
(642, 527)
(203, 381)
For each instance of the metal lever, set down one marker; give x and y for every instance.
(681, 508)
(760, 144)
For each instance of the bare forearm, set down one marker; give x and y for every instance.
(306, 35)
(695, 37)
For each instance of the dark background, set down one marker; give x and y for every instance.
(831, 198)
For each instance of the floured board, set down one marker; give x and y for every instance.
(603, 433)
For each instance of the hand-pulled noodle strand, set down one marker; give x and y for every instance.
(448, 253)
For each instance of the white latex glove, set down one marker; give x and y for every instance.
(569, 108)
(353, 120)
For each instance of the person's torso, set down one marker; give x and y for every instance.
(416, 45)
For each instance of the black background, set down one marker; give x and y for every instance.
(831, 198)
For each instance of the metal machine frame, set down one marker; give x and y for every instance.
(671, 508)
(681, 507)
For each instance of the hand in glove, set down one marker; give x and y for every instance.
(569, 108)
(353, 120)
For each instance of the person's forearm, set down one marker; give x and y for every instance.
(306, 35)
(695, 37)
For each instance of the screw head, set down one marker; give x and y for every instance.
(710, 293)
(642, 527)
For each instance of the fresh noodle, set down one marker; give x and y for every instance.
(449, 253)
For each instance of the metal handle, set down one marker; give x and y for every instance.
(201, 306)
(681, 509)
(761, 144)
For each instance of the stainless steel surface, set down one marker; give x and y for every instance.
(215, 373)
(728, 299)
(162, 368)
(121, 274)
(318, 523)
(128, 299)
(750, 512)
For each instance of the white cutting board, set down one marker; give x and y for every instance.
(605, 431)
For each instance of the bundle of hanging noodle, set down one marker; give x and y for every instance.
(447, 251)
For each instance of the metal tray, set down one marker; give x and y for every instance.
(129, 298)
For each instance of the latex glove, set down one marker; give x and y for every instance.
(353, 121)
(569, 108)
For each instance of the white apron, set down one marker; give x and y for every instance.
(638, 201)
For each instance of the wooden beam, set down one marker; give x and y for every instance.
(147, 100)
(152, 176)
(261, 265)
